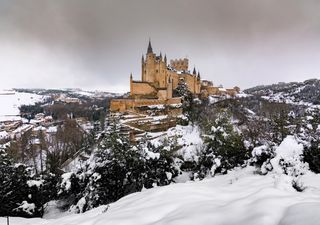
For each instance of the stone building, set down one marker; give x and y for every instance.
(159, 79)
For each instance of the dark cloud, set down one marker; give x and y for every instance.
(97, 43)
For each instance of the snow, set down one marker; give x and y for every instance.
(309, 117)
(4, 135)
(169, 175)
(52, 129)
(156, 107)
(66, 183)
(257, 151)
(289, 152)
(37, 183)
(240, 197)
(189, 138)
(10, 103)
(179, 105)
(52, 210)
(242, 95)
(293, 215)
(158, 118)
(27, 207)
(39, 128)
(151, 155)
(213, 99)
(84, 93)
(250, 111)
(289, 147)
(215, 165)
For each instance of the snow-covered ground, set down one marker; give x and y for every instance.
(10, 102)
(241, 197)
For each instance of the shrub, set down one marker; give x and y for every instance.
(311, 155)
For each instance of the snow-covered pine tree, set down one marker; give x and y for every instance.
(17, 196)
(115, 170)
(159, 165)
(5, 177)
(224, 148)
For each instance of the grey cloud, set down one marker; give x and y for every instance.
(97, 43)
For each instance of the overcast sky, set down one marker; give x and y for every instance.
(95, 44)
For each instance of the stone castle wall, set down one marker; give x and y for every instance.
(123, 105)
(142, 88)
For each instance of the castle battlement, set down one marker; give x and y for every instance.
(180, 64)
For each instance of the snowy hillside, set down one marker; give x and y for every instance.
(294, 92)
(11, 100)
(252, 159)
(240, 197)
(70, 92)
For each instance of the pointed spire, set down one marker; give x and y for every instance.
(130, 76)
(160, 55)
(142, 59)
(149, 47)
(194, 71)
(198, 75)
(165, 58)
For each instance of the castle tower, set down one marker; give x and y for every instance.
(198, 90)
(149, 51)
(149, 65)
(169, 89)
(131, 85)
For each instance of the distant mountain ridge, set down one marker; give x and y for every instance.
(71, 92)
(307, 91)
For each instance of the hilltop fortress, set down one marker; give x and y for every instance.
(159, 79)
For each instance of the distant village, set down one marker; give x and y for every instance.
(60, 116)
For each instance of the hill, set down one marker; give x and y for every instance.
(307, 92)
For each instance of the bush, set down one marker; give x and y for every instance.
(311, 155)
(159, 169)
(115, 170)
(23, 194)
(261, 157)
(224, 147)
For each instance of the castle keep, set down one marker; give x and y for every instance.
(159, 79)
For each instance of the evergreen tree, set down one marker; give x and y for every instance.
(311, 155)
(188, 103)
(159, 165)
(224, 147)
(181, 90)
(21, 198)
(5, 176)
(116, 170)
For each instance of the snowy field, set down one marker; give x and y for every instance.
(240, 197)
(10, 102)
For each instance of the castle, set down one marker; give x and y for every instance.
(159, 79)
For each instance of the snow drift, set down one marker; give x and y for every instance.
(241, 197)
